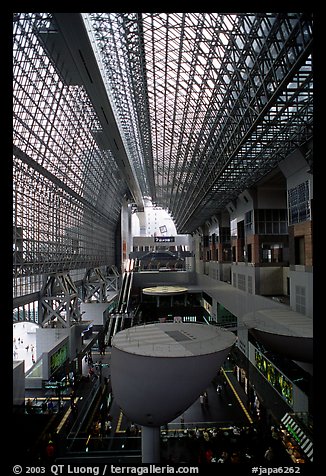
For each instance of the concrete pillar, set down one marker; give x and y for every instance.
(142, 223)
(150, 444)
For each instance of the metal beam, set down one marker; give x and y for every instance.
(75, 31)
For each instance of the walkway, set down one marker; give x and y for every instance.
(24, 342)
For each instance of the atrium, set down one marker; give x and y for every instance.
(207, 117)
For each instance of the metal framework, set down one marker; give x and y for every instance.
(95, 285)
(59, 301)
(219, 98)
(67, 193)
(206, 103)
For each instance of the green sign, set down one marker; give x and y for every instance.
(274, 377)
(58, 358)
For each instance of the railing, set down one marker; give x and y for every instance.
(183, 429)
(94, 445)
(192, 345)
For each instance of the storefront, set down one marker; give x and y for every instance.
(295, 439)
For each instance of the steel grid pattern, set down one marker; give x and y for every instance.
(67, 192)
(228, 97)
(122, 54)
(208, 104)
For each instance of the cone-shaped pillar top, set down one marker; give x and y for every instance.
(173, 339)
(159, 370)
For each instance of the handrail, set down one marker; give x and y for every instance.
(200, 345)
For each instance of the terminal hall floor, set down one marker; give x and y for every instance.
(224, 425)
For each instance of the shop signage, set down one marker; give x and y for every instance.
(164, 239)
(58, 358)
(278, 381)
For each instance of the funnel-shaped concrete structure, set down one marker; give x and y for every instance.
(283, 331)
(159, 370)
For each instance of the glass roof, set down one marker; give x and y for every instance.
(67, 196)
(206, 104)
(214, 100)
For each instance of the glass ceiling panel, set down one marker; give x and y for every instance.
(66, 188)
(203, 99)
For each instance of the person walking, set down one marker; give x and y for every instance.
(50, 451)
(269, 454)
(206, 399)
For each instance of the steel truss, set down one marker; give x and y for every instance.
(95, 285)
(59, 301)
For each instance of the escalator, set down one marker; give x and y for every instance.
(122, 291)
(124, 297)
(121, 318)
(127, 279)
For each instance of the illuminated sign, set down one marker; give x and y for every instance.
(207, 306)
(164, 239)
(58, 358)
(278, 381)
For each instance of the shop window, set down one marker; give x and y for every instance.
(277, 253)
(272, 253)
(266, 255)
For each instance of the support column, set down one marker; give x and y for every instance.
(150, 444)
(59, 301)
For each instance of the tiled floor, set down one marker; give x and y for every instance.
(24, 343)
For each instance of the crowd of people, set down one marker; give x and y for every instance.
(251, 444)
